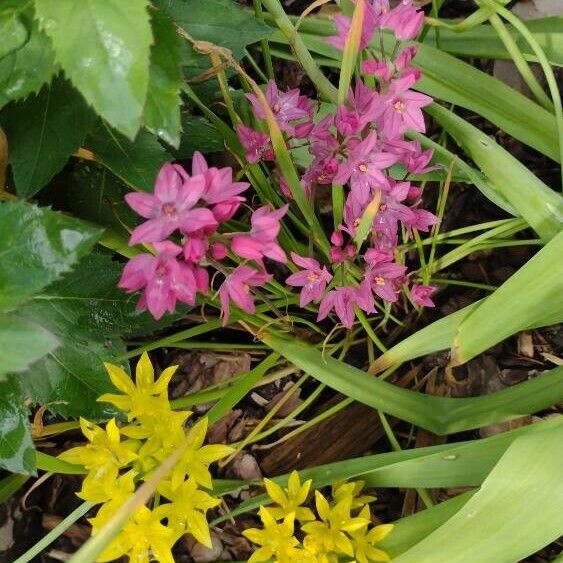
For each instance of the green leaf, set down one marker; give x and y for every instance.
(539, 205)
(17, 453)
(136, 162)
(162, 108)
(37, 245)
(530, 298)
(483, 41)
(11, 484)
(25, 70)
(198, 135)
(12, 31)
(526, 481)
(43, 131)
(221, 22)
(441, 415)
(103, 47)
(22, 343)
(88, 314)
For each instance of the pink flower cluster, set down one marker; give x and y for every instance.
(187, 225)
(191, 208)
(354, 147)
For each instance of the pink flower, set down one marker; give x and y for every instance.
(342, 300)
(343, 24)
(405, 20)
(257, 145)
(236, 288)
(365, 102)
(382, 69)
(286, 107)
(364, 167)
(421, 295)
(312, 279)
(403, 108)
(383, 278)
(170, 207)
(219, 185)
(262, 239)
(195, 249)
(164, 279)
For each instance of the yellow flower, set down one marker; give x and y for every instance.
(342, 490)
(107, 486)
(105, 450)
(276, 540)
(145, 396)
(329, 535)
(196, 459)
(186, 511)
(364, 541)
(290, 499)
(142, 539)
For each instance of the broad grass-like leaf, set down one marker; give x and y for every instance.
(525, 482)
(37, 246)
(25, 70)
(22, 343)
(530, 298)
(483, 41)
(540, 206)
(162, 108)
(17, 453)
(103, 47)
(441, 415)
(136, 162)
(43, 131)
(465, 463)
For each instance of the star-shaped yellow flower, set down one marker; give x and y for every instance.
(364, 541)
(144, 397)
(290, 499)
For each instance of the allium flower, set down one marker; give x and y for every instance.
(343, 24)
(342, 300)
(405, 20)
(170, 207)
(165, 280)
(383, 278)
(262, 239)
(364, 168)
(313, 279)
(236, 288)
(257, 145)
(422, 294)
(403, 108)
(291, 499)
(287, 107)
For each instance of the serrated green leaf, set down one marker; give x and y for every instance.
(162, 108)
(17, 453)
(526, 481)
(22, 343)
(13, 33)
(198, 135)
(103, 47)
(37, 246)
(530, 298)
(43, 131)
(24, 71)
(136, 162)
(88, 314)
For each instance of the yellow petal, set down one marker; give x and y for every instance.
(199, 528)
(304, 492)
(122, 402)
(161, 385)
(261, 554)
(377, 554)
(322, 505)
(112, 431)
(197, 433)
(379, 533)
(120, 378)
(144, 374)
(275, 492)
(293, 484)
(213, 452)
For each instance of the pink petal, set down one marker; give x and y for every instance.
(146, 205)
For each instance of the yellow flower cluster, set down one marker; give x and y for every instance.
(340, 529)
(118, 459)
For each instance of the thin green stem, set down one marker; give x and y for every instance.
(264, 42)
